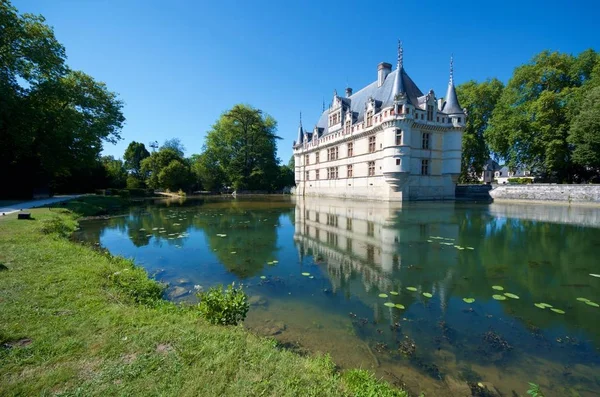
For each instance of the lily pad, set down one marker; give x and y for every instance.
(595, 275)
(557, 311)
(383, 295)
(499, 297)
(413, 289)
(269, 263)
(583, 299)
(389, 304)
(469, 300)
(594, 304)
(498, 288)
(470, 248)
(263, 277)
(511, 295)
(540, 305)
(275, 262)
(311, 276)
(393, 293)
(546, 305)
(306, 274)
(399, 306)
(427, 294)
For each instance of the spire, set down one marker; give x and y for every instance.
(400, 55)
(300, 132)
(399, 79)
(452, 106)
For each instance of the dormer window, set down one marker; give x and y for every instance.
(369, 118)
(429, 112)
(348, 125)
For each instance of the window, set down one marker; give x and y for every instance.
(349, 224)
(460, 119)
(424, 167)
(371, 168)
(397, 161)
(316, 174)
(332, 153)
(372, 144)
(307, 175)
(350, 149)
(350, 171)
(348, 125)
(332, 220)
(370, 253)
(370, 229)
(369, 118)
(398, 137)
(332, 173)
(438, 119)
(425, 144)
(317, 158)
(429, 112)
(306, 159)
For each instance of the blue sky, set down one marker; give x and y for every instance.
(178, 64)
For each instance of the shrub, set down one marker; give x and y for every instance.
(224, 307)
(520, 181)
(58, 225)
(134, 282)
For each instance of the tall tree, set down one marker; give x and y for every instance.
(167, 169)
(115, 171)
(175, 144)
(479, 99)
(134, 154)
(585, 132)
(53, 121)
(530, 124)
(242, 145)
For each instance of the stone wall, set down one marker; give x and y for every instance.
(548, 192)
(473, 192)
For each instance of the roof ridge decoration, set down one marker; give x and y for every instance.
(452, 106)
(399, 92)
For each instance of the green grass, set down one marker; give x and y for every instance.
(76, 321)
(95, 205)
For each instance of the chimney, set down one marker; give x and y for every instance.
(440, 103)
(383, 69)
(348, 92)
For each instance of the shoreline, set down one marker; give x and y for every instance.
(108, 307)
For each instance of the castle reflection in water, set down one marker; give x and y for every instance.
(375, 240)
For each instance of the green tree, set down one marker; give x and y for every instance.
(531, 122)
(53, 121)
(479, 99)
(242, 145)
(585, 132)
(166, 169)
(134, 154)
(115, 171)
(175, 144)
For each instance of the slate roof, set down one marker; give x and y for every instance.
(383, 94)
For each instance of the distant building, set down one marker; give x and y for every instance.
(388, 141)
(489, 171)
(502, 175)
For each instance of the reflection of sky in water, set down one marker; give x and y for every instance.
(355, 251)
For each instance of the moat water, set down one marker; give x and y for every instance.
(353, 252)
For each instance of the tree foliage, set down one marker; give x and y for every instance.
(115, 172)
(134, 154)
(53, 120)
(479, 99)
(531, 123)
(167, 169)
(241, 147)
(585, 132)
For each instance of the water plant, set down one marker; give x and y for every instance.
(393, 293)
(499, 297)
(427, 294)
(389, 304)
(383, 295)
(513, 296)
(413, 289)
(557, 310)
(224, 307)
(590, 303)
(399, 306)
(469, 300)
(534, 390)
(498, 288)
(306, 274)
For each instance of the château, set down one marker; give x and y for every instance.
(387, 141)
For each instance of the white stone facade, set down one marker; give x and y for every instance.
(386, 142)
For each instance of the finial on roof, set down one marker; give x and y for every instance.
(300, 118)
(400, 55)
(300, 131)
(334, 92)
(451, 69)
(323, 104)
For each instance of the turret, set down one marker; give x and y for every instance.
(452, 107)
(300, 132)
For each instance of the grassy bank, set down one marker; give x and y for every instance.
(74, 321)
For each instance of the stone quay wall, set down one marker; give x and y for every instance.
(548, 192)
